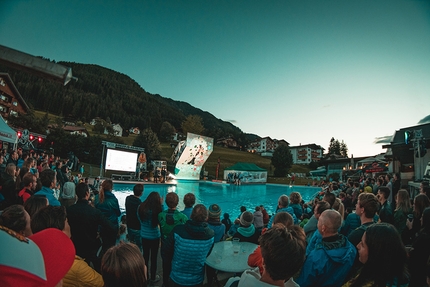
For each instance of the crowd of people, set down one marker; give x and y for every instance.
(58, 230)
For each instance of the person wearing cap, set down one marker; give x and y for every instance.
(68, 195)
(218, 227)
(187, 247)
(80, 274)
(247, 232)
(41, 260)
(49, 182)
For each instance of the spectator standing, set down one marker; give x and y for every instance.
(150, 232)
(189, 201)
(85, 222)
(168, 220)
(386, 211)
(132, 203)
(107, 203)
(187, 248)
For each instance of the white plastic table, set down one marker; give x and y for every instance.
(222, 257)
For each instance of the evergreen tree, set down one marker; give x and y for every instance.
(282, 160)
(343, 149)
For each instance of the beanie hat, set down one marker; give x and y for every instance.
(246, 219)
(68, 190)
(43, 259)
(214, 211)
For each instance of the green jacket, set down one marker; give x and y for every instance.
(169, 219)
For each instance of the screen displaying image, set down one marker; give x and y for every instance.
(121, 160)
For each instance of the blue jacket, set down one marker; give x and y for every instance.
(298, 209)
(109, 207)
(218, 228)
(328, 263)
(49, 194)
(147, 231)
(351, 222)
(186, 249)
(284, 209)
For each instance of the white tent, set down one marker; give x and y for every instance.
(7, 134)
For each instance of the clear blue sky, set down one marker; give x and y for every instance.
(303, 71)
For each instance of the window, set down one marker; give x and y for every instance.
(15, 103)
(4, 98)
(13, 113)
(3, 109)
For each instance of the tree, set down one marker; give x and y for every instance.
(343, 149)
(166, 131)
(193, 124)
(149, 141)
(282, 160)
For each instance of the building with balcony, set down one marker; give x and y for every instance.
(305, 154)
(11, 101)
(265, 146)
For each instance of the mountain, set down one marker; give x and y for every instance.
(104, 93)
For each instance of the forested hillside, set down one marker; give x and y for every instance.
(104, 93)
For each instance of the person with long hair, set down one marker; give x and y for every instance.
(124, 265)
(421, 202)
(107, 203)
(420, 252)
(403, 208)
(384, 257)
(150, 231)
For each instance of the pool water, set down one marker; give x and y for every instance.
(229, 197)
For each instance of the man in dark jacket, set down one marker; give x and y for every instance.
(187, 247)
(84, 221)
(132, 203)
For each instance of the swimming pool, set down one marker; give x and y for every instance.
(229, 197)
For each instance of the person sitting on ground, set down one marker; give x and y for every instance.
(123, 265)
(189, 201)
(255, 259)
(187, 247)
(384, 257)
(168, 220)
(49, 183)
(80, 273)
(16, 218)
(247, 232)
(330, 261)
(283, 252)
(283, 203)
(43, 259)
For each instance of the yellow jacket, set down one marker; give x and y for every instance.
(82, 275)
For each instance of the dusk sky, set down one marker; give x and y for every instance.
(302, 71)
